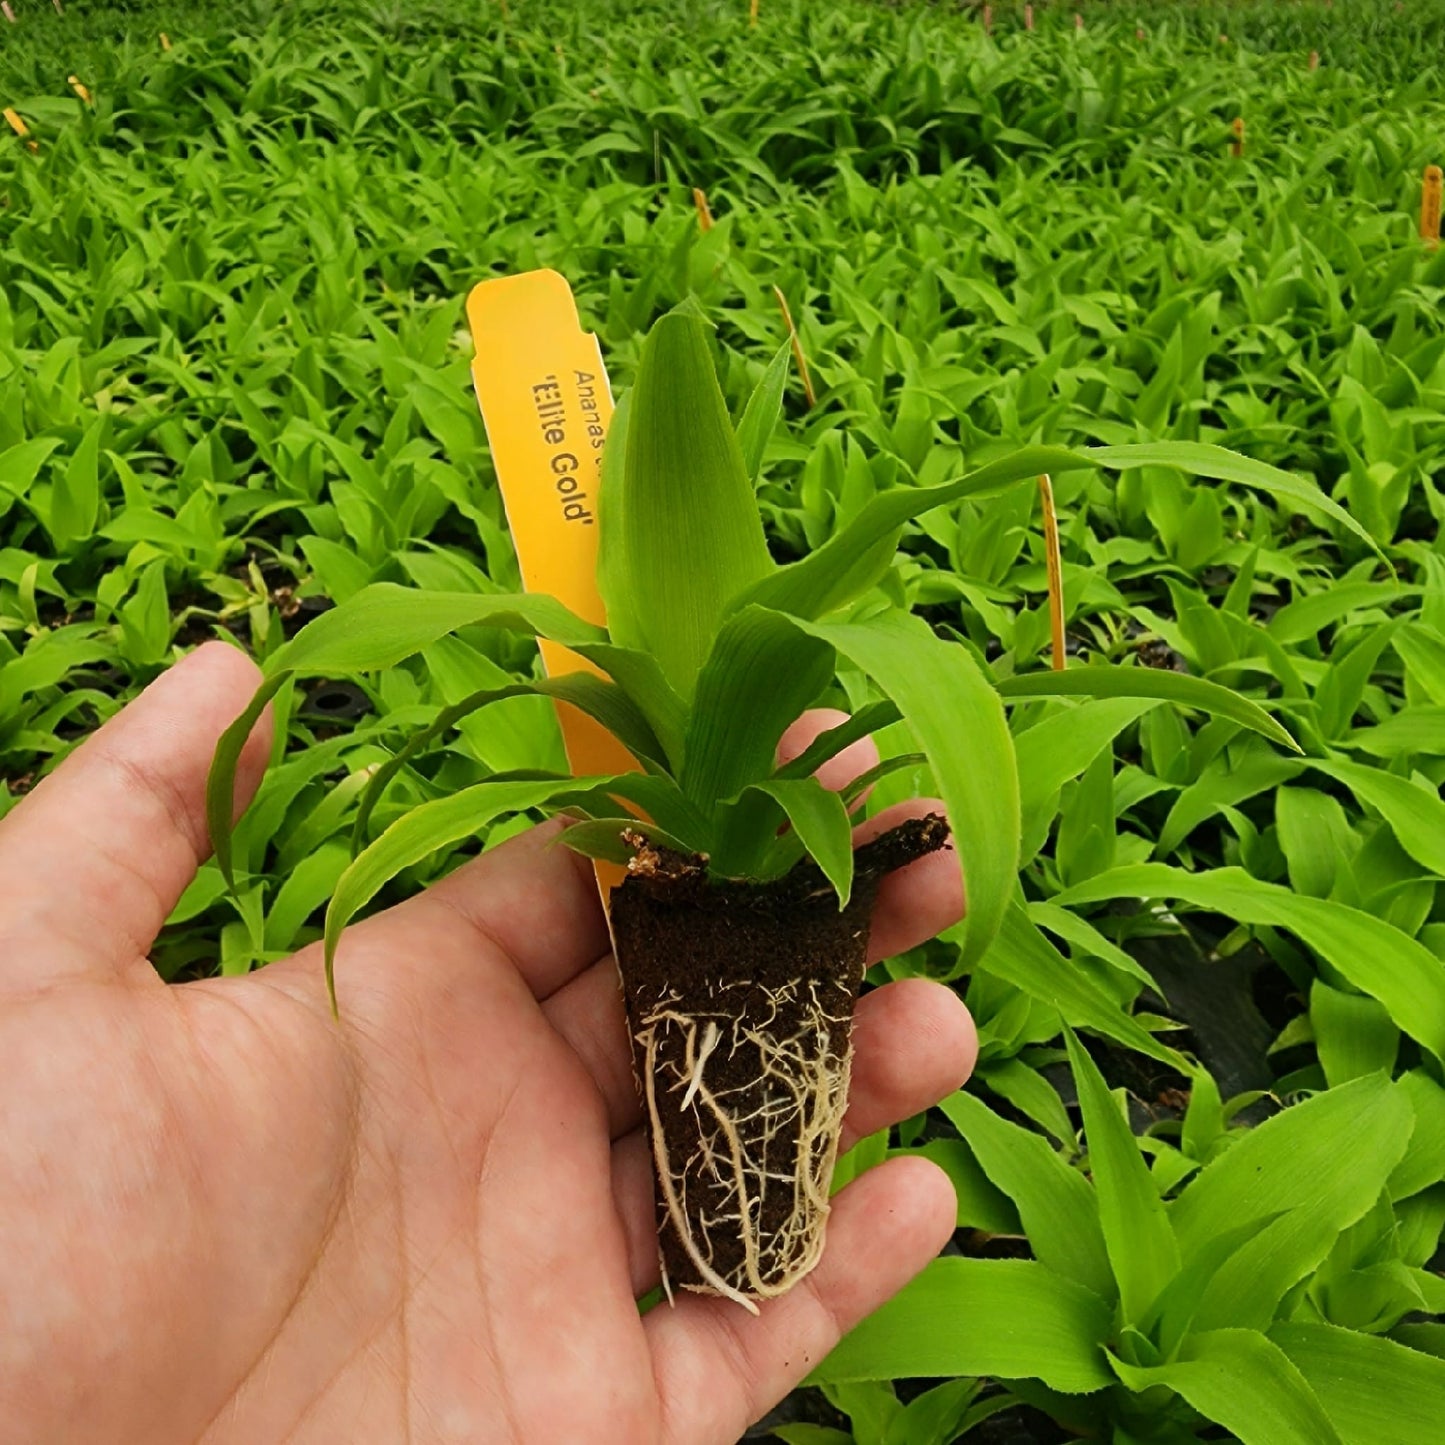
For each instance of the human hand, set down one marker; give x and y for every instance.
(224, 1217)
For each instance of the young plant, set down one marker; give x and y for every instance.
(741, 926)
(1264, 1296)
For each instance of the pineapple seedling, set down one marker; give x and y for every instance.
(741, 926)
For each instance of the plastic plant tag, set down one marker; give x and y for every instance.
(546, 404)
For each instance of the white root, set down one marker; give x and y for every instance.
(775, 1132)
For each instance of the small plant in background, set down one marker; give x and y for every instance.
(1260, 1296)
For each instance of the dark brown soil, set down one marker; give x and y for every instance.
(740, 1000)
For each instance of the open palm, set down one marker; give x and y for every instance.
(225, 1217)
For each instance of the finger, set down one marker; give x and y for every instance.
(530, 897)
(918, 902)
(93, 861)
(636, 1203)
(718, 1369)
(842, 767)
(914, 1043)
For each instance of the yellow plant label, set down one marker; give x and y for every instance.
(546, 404)
(1430, 207)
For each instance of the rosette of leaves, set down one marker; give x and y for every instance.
(741, 927)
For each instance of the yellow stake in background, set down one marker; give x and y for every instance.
(165, 41)
(74, 82)
(1053, 558)
(1236, 146)
(704, 211)
(798, 355)
(1430, 207)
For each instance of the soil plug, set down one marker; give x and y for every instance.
(740, 999)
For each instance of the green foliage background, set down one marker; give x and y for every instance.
(233, 388)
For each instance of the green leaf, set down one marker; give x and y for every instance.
(1424, 1163)
(1088, 824)
(821, 821)
(1203, 460)
(1416, 730)
(613, 577)
(433, 825)
(1241, 1380)
(1136, 1229)
(1315, 837)
(1376, 1392)
(384, 623)
(145, 620)
(602, 838)
(663, 802)
(981, 1203)
(1305, 617)
(221, 780)
(1031, 1094)
(692, 537)
(958, 721)
(1005, 1318)
(1087, 939)
(1256, 771)
(75, 501)
(759, 675)
(1416, 817)
(1422, 650)
(1353, 1034)
(1291, 1165)
(1059, 1211)
(1063, 745)
(1149, 682)
(602, 700)
(21, 463)
(639, 676)
(1022, 955)
(1171, 1315)
(869, 719)
(857, 557)
(1376, 958)
(806, 1434)
(760, 416)
(853, 560)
